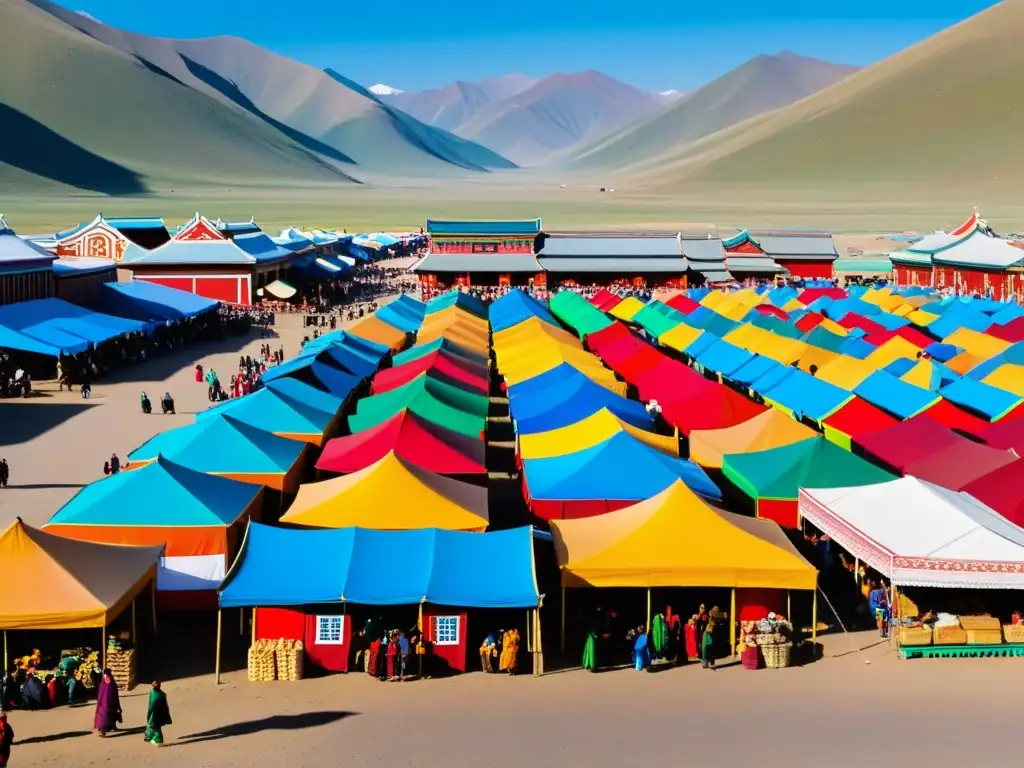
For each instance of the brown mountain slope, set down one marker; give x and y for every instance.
(940, 113)
(758, 86)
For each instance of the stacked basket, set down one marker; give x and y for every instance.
(289, 655)
(121, 664)
(776, 655)
(262, 667)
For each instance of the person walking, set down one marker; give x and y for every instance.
(6, 739)
(5, 473)
(158, 715)
(108, 705)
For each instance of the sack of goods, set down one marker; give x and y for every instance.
(262, 667)
(121, 664)
(289, 655)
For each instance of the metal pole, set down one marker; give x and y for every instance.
(421, 651)
(103, 646)
(648, 609)
(216, 666)
(732, 623)
(789, 606)
(561, 639)
(814, 617)
(253, 620)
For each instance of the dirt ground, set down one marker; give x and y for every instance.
(839, 710)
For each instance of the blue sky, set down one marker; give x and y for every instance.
(655, 44)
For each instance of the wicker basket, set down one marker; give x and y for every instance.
(262, 666)
(770, 639)
(777, 656)
(122, 667)
(1013, 633)
(979, 622)
(289, 655)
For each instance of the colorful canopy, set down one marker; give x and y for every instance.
(918, 534)
(515, 307)
(586, 433)
(549, 402)
(446, 346)
(324, 377)
(419, 441)
(855, 421)
(284, 567)
(959, 463)
(717, 407)
(1005, 434)
(434, 400)
(1002, 490)
(579, 314)
(80, 584)
(272, 410)
(449, 369)
(377, 331)
(906, 442)
(674, 539)
(769, 429)
(391, 494)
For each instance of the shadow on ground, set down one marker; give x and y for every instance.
(23, 421)
(272, 723)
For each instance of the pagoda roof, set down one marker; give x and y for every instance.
(791, 244)
(19, 255)
(977, 249)
(522, 228)
(476, 262)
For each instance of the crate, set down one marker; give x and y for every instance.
(290, 656)
(777, 656)
(1013, 633)
(914, 635)
(262, 665)
(984, 636)
(949, 636)
(121, 664)
(979, 622)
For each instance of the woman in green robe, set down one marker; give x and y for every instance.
(707, 646)
(157, 716)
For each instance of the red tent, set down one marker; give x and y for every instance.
(809, 295)
(859, 418)
(954, 417)
(683, 303)
(809, 321)
(852, 320)
(624, 352)
(418, 441)
(1003, 490)
(714, 408)
(771, 309)
(614, 341)
(605, 300)
(1008, 435)
(908, 441)
(670, 381)
(912, 335)
(455, 371)
(1012, 331)
(958, 464)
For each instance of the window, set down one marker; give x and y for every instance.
(329, 630)
(446, 630)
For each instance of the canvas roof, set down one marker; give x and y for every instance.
(1001, 489)
(514, 307)
(273, 410)
(959, 463)
(307, 370)
(86, 584)
(675, 539)
(61, 325)
(594, 429)
(285, 567)
(716, 407)
(778, 473)
(579, 314)
(455, 371)
(415, 439)
(553, 400)
(379, 332)
(908, 441)
(918, 534)
(144, 300)
(361, 498)
(769, 429)
(854, 421)
(489, 263)
(433, 400)
(1005, 434)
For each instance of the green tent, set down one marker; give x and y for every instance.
(439, 344)
(657, 318)
(776, 325)
(578, 313)
(433, 400)
(773, 478)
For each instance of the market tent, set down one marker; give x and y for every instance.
(954, 417)
(456, 298)
(143, 300)
(339, 356)
(669, 381)
(515, 307)
(989, 401)
(897, 397)
(445, 346)
(86, 584)
(543, 404)
(1002, 490)
(918, 534)
(716, 407)
(13, 340)
(400, 318)
(901, 444)
(1005, 434)
(197, 518)
(524, 363)
(769, 429)
(281, 567)
(222, 445)
(432, 399)
(626, 309)
(415, 439)
(773, 478)
(67, 327)
(272, 410)
(472, 338)
(438, 365)
(610, 475)
(605, 299)
(576, 312)
(377, 331)
(959, 463)
(279, 289)
(845, 372)
(428, 500)
(675, 539)
(682, 303)
(681, 337)
(371, 350)
(588, 432)
(854, 421)
(320, 376)
(801, 394)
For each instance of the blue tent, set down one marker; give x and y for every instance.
(755, 369)
(341, 354)
(67, 327)
(840, 308)
(410, 306)
(143, 300)
(370, 350)
(956, 317)
(889, 321)
(320, 375)
(899, 398)
(709, 320)
(271, 411)
(159, 494)
(223, 445)
(723, 357)
(399, 318)
(454, 298)
(282, 567)
(991, 402)
(855, 346)
(542, 408)
(515, 307)
(619, 469)
(942, 352)
(13, 340)
(804, 395)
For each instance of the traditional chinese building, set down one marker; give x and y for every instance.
(806, 255)
(112, 239)
(201, 260)
(914, 265)
(745, 259)
(705, 257)
(482, 253)
(232, 229)
(982, 265)
(640, 261)
(26, 269)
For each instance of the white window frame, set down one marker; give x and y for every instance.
(328, 620)
(458, 629)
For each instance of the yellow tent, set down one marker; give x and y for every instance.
(528, 362)
(627, 308)
(393, 495)
(922, 318)
(586, 433)
(816, 356)
(978, 344)
(846, 372)
(456, 336)
(964, 362)
(1009, 377)
(771, 429)
(452, 313)
(379, 332)
(876, 295)
(713, 299)
(680, 337)
(833, 327)
(921, 375)
(894, 349)
(530, 329)
(892, 302)
(675, 539)
(903, 310)
(57, 583)
(732, 307)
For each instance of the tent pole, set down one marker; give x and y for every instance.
(529, 630)
(423, 647)
(103, 645)
(253, 622)
(216, 665)
(648, 609)
(561, 638)
(732, 623)
(539, 644)
(814, 616)
(135, 637)
(789, 605)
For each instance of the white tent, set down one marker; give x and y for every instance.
(916, 533)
